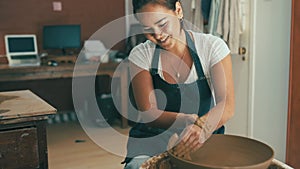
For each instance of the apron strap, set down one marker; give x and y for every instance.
(204, 89)
(195, 56)
(154, 64)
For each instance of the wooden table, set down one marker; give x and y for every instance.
(54, 83)
(23, 142)
(63, 70)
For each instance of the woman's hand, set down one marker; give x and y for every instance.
(192, 137)
(94, 59)
(191, 140)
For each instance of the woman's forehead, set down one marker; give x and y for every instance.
(152, 14)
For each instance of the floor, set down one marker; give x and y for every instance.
(69, 147)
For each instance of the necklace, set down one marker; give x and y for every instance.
(177, 73)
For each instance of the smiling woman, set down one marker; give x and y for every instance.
(181, 81)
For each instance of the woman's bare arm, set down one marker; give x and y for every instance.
(224, 93)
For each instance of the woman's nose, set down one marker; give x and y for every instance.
(157, 33)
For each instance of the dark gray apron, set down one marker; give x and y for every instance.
(179, 98)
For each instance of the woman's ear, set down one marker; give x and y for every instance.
(179, 10)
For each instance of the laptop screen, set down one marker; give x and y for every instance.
(24, 44)
(20, 44)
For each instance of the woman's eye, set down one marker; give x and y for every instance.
(147, 30)
(162, 25)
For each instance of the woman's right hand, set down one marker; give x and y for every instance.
(190, 141)
(184, 120)
(193, 136)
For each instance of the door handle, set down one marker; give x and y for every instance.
(242, 51)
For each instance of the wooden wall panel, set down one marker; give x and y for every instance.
(293, 137)
(29, 16)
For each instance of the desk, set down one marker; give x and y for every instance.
(54, 84)
(23, 142)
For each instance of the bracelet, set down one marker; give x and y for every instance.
(200, 122)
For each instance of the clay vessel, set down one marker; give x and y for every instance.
(228, 151)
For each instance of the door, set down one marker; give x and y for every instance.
(239, 124)
(293, 137)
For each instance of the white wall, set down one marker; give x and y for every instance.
(270, 72)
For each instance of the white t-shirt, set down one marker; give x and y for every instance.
(210, 49)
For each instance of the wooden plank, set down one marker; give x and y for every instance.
(21, 104)
(293, 137)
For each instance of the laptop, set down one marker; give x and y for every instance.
(21, 50)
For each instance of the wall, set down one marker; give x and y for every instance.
(29, 16)
(270, 72)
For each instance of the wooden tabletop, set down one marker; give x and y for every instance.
(23, 104)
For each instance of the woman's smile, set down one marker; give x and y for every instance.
(164, 40)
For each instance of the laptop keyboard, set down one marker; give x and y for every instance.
(24, 60)
(21, 57)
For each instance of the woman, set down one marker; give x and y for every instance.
(181, 81)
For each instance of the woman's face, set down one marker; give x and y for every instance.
(161, 25)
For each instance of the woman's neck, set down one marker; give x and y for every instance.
(180, 46)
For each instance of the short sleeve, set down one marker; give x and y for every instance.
(141, 55)
(219, 50)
